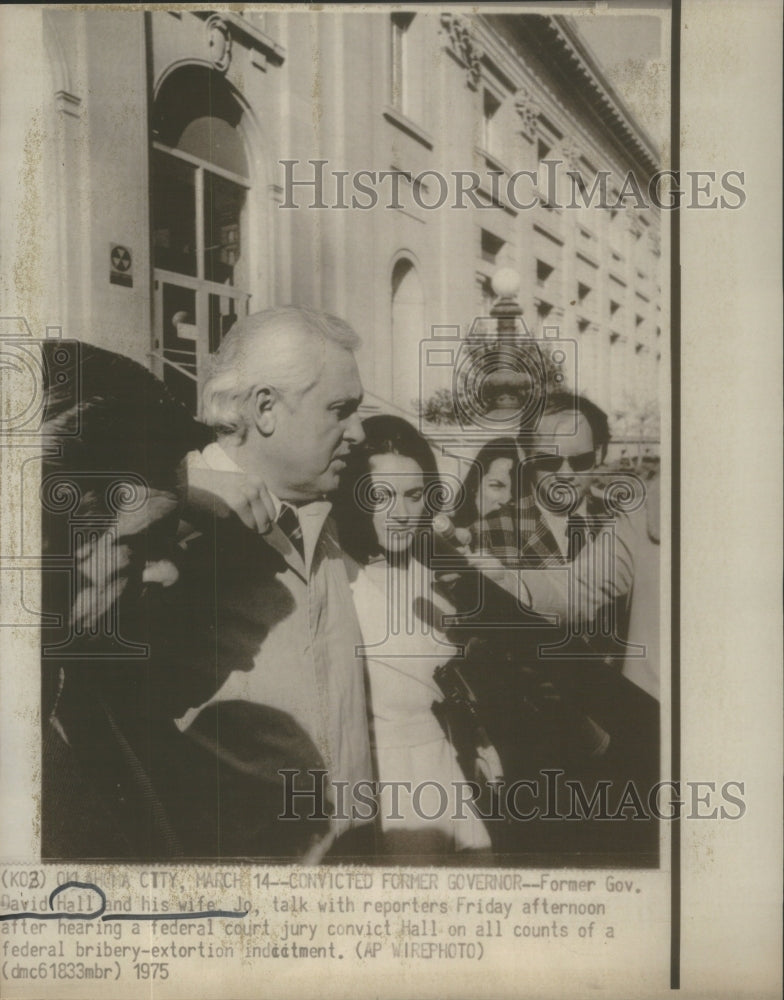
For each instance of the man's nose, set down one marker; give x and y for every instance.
(354, 431)
(565, 471)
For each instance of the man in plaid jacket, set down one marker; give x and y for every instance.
(570, 516)
(580, 545)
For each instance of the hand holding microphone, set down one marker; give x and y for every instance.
(460, 538)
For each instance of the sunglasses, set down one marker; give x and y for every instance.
(554, 463)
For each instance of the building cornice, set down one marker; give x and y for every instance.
(623, 118)
(247, 33)
(558, 46)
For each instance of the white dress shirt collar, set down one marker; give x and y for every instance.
(311, 515)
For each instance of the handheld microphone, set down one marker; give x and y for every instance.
(446, 529)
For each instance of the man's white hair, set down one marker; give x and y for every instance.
(282, 348)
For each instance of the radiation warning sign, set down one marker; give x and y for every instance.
(120, 265)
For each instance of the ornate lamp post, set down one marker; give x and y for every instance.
(510, 373)
(507, 310)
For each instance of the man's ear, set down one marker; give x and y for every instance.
(264, 409)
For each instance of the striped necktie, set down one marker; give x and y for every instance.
(288, 522)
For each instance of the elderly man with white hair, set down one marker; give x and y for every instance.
(282, 396)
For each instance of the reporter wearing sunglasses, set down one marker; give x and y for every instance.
(571, 440)
(544, 532)
(540, 537)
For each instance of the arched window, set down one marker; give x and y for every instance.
(200, 183)
(408, 330)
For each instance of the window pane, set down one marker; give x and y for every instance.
(407, 66)
(179, 343)
(223, 204)
(197, 113)
(174, 214)
(490, 107)
(223, 316)
(215, 141)
(491, 247)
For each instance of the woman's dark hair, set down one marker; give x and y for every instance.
(467, 514)
(384, 435)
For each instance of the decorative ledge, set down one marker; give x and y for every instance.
(586, 259)
(462, 45)
(247, 33)
(69, 104)
(409, 127)
(491, 161)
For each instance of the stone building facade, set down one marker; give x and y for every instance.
(380, 165)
